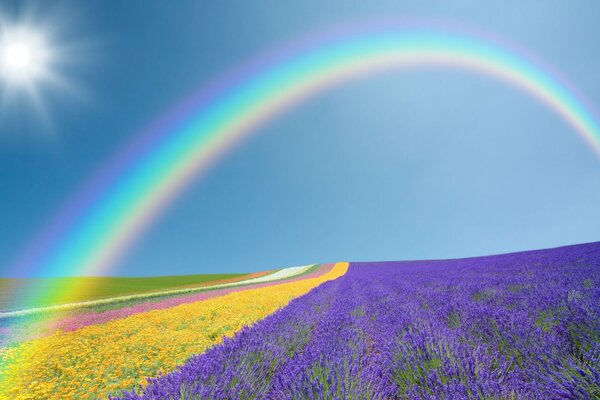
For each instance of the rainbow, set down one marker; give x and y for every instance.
(113, 209)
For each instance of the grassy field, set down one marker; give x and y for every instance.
(13, 293)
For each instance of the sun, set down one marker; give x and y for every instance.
(26, 57)
(36, 65)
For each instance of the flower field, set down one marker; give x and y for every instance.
(515, 326)
(96, 360)
(519, 326)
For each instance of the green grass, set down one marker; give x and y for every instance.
(13, 295)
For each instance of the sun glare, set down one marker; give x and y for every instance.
(25, 57)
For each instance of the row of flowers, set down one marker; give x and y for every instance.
(92, 317)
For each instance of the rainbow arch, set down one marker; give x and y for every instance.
(104, 219)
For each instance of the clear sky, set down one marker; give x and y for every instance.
(405, 165)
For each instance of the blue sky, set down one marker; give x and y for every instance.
(405, 165)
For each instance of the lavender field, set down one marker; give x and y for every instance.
(516, 326)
